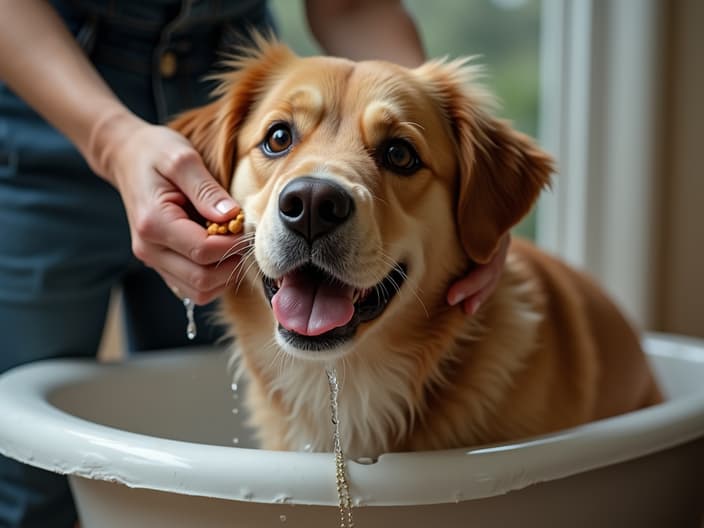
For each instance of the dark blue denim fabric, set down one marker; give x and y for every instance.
(64, 239)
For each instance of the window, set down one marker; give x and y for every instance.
(601, 65)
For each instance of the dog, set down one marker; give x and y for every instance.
(367, 188)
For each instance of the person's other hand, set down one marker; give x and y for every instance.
(481, 282)
(159, 176)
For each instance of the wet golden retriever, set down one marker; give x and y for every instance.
(367, 189)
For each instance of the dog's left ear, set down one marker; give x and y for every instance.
(501, 171)
(213, 128)
(206, 128)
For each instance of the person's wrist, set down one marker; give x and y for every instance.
(108, 133)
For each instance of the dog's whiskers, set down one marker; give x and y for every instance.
(239, 267)
(243, 241)
(239, 264)
(378, 198)
(382, 292)
(278, 359)
(244, 272)
(414, 290)
(233, 250)
(257, 278)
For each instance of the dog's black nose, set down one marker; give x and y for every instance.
(313, 207)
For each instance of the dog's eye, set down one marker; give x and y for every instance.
(278, 140)
(399, 156)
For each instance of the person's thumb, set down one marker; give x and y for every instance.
(189, 174)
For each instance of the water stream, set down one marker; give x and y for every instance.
(343, 488)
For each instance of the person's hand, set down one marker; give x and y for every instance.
(480, 283)
(159, 175)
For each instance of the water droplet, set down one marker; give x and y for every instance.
(235, 411)
(191, 330)
(234, 387)
(282, 518)
(308, 448)
(235, 440)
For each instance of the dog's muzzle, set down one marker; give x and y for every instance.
(313, 305)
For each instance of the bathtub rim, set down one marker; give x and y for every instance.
(234, 473)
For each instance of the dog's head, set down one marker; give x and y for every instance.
(367, 187)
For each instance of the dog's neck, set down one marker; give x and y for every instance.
(381, 396)
(387, 383)
(376, 405)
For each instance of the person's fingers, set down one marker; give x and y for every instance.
(185, 168)
(480, 283)
(183, 290)
(170, 227)
(472, 303)
(468, 286)
(201, 284)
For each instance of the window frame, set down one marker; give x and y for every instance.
(601, 65)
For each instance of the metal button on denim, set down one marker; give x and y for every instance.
(168, 64)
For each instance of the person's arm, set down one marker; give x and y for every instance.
(383, 29)
(155, 169)
(366, 29)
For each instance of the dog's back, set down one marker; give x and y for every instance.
(578, 314)
(548, 351)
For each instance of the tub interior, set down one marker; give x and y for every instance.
(187, 398)
(190, 397)
(678, 364)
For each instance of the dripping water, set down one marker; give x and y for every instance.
(343, 488)
(191, 330)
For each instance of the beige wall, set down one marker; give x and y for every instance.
(680, 284)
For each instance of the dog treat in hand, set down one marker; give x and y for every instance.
(234, 226)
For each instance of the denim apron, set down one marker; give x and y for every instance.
(64, 237)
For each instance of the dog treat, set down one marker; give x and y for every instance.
(234, 226)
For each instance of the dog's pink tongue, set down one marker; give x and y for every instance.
(309, 307)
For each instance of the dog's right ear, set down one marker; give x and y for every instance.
(213, 129)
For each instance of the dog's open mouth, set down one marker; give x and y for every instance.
(316, 311)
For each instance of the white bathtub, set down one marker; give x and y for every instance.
(149, 444)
